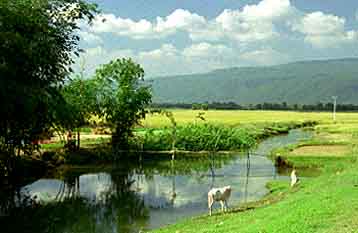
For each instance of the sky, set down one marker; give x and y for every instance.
(171, 37)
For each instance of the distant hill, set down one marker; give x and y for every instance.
(305, 82)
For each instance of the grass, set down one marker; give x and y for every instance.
(88, 142)
(314, 206)
(322, 150)
(238, 117)
(212, 137)
(327, 203)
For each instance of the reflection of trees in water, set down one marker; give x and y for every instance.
(70, 188)
(119, 209)
(212, 170)
(248, 168)
(196, 166)
(10, 199)
(173, 194)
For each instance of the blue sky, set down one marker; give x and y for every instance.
(191, 36)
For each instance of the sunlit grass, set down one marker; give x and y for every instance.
(322, 150)
(237, 117)
(328, 203)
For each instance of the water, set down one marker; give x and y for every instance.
(139, 195)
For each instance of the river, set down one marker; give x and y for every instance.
(141, 194)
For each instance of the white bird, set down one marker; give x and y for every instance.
(294, 178)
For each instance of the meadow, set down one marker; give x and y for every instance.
(198, 130)
(234, 118)
(327, 203)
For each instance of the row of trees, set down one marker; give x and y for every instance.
(264, 106)
(38, 44)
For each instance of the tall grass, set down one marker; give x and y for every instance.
(199, 137)
(213, 137)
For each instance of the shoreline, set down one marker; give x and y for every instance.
(283, 206)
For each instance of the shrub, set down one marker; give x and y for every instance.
(199, 137)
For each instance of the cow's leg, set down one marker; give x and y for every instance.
(210, 204)
(222, 206)
(226, 206)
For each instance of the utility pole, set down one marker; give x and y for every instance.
(334, 107)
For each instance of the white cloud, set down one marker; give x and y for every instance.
(267, 9)
(234, 25)
(267, 33)
(199, 57)
(206, 50)
(251, 24)
(122, 27)
(90, 38)
(266, 56)
(180, 19)
(98, 55)
(325, 30)
(95, 51)
(143, 29)
(256, 23)
(167, 59)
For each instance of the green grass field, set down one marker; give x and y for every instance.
(237, 117)
(327, 203)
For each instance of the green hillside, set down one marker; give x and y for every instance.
(301, 82)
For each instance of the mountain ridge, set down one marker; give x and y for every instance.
(303, 82)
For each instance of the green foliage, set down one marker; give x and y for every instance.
(37, 44)
(199, 137)
(122, 98)
(299, 83)
(80, 96)
(196, 106)
(170, 116)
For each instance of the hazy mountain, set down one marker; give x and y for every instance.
(299, 82)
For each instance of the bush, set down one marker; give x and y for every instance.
(199, 137)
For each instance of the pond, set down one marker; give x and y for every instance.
(139, 194)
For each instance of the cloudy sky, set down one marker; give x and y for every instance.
(169, 37)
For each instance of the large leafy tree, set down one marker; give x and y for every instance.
(37, 44)
(123, 98)
(80, 102)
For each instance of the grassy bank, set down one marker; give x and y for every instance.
(190, 136)
(327, 203)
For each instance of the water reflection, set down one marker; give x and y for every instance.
(138, 194)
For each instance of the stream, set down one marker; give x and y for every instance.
(139, 195)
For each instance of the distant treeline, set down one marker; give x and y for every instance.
(264, 106)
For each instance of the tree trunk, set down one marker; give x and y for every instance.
(78, 139)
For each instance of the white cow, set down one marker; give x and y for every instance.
(219, 194)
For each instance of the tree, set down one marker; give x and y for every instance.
(37, 44)
(80, 101)
(122, 98)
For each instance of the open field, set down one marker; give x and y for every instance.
(322, 150)
(327, 203)
(237, 117)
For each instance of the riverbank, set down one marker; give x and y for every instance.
(192, 140)
(200, 139)
(160, 190)
(327, 203)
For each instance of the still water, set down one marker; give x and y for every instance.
(141, 194)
